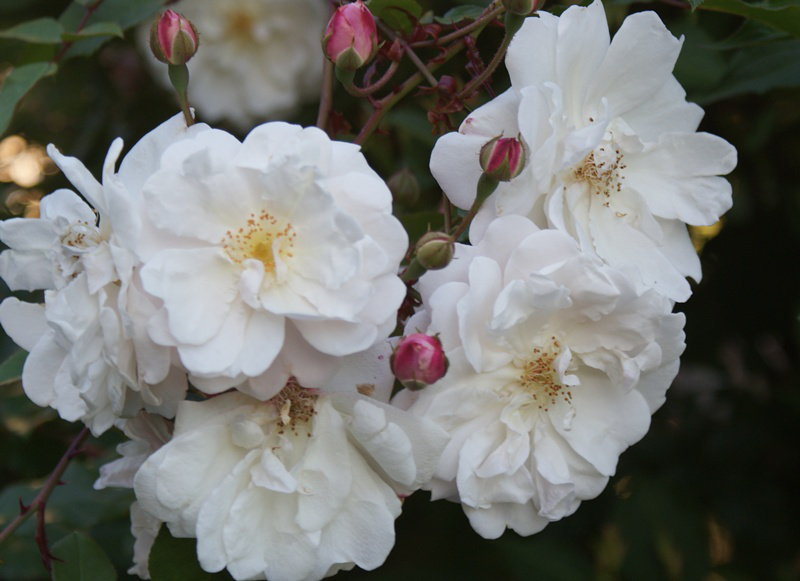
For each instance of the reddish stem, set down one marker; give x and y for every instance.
(90, 9)
(38, 504)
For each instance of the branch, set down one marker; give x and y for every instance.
(412, 56)
(485, 18)
(326, 96)
(68, 43)
(498, 57)
(38, 503)
(383, 106)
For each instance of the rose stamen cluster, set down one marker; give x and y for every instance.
(540, 376)
(262, 238)
(601, 170)
(296, 405)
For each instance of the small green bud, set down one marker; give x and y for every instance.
(435, 250)
(404, 187)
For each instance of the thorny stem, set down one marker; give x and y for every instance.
(498, 57)
(37, 505)
(90, 9)
(370, 89)
(412, 56)
(384, 105)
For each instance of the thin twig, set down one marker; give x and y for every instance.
(498, 57)
(487, 16)
(382, 107)
(326, 96)
(68, 43)
(377, 85)
(409, 85)
(412, 56)
(38, 503)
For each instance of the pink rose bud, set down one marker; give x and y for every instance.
(435, 250)
(418, 361)
(173, 39)
(503, 158)
(351, 38)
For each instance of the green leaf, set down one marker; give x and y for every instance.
(40, 31)
(95, 30)
(781, 14)
(17, 83)
(398, 15)
(749, 34)
(11, 368)
(127, 13)
(459, 13)
(174, 559)
(80, 559)
(759, 69)
(123, 13)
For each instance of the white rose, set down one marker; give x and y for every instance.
(614, 158)
(293, 488)
(273, 257)
(557, 362)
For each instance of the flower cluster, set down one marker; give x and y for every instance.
(557, 320)
(268, 266)
(228, 304)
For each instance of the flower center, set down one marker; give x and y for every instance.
(296, 406)
(263, 238)
(540, 377)
(81, 236)
(239, 24)
(601, 170)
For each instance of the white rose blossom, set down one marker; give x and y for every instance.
(90, 356)
(557, 362)
(296, 487)
(257, 59)
(614, 159)
(272, 257)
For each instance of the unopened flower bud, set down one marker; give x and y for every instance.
(503, 158)
(521, 7)
(418, 361)
(173, 39)
(351, 38)
(435, 250)
(404, 187)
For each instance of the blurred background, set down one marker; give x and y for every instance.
(711, 493)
